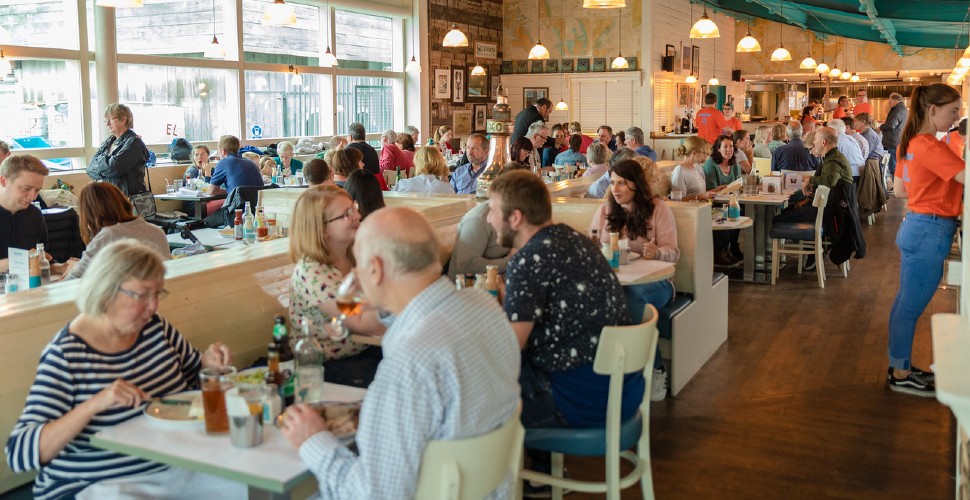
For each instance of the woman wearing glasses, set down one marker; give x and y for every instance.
(123, 157)
(322, 230)
(105, 215)
(97, 372)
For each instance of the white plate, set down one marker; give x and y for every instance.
(172, 415)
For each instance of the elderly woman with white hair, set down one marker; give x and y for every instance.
(285, 158)
(392, 157)
(99, 371)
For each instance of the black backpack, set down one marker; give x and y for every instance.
(180, 150)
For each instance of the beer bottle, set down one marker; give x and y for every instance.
(491, 280)
(282, 341)
(273, 373)
(397, 175)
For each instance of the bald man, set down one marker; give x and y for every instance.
(450, 367)
(835, 168)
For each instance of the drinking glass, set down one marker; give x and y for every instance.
(309, 383)
(169, 188)
(676, 195)
(350, 301)
(215, 381)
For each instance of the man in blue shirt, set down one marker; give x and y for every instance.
(849, 148)
(233, 170)
(794, 155)
(463, 180)
(635, 141)
(605, 133)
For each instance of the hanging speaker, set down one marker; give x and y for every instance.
(735, 75)
(667, 63)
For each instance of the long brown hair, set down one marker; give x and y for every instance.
(100, 205)
(308, 226)
(637, 222)
(923, 97)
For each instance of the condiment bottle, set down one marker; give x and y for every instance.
(595, 236)
(249, 225)
(262, 230)
(273, 374)
(282, 340)
(734, 209)
(34, 270)
(624, 251)
(237, 225)
(491, 280)
(615, 251)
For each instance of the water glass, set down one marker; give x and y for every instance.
(178, 184)
(309, 380)
(676, 195)
(244, 407)
(169, 188)
(215, 381)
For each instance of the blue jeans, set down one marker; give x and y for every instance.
(892, 161)
(657, 294)
(924, 242)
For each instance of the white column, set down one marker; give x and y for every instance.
(105, 60)
(645, 63)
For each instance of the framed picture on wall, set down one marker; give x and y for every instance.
(481, 111)
(687, 60)
(476, 87)
(458, 85)
(442, 84)
(695, 64)
(683, 95)
(533, 94)
(461, 122)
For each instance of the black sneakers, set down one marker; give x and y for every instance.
(927, 376)
(810, 263)
(913, 384)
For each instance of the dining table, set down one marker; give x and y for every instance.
(761, 209)
(640, 271)
(746, 224)
(200, 198)
(273, 469)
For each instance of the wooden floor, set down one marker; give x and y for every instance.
(796, 403)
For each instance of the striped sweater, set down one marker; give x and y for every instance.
(70, 372)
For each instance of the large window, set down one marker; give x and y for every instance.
(170, 27)
(39, 23)
(41, 104)
(366, 100)
(298, 44)
(280, 109)
(363, 41)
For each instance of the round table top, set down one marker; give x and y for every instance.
(728, 225)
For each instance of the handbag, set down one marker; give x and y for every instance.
(143, 203)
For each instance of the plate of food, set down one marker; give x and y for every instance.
(177, 410)
(255, 375)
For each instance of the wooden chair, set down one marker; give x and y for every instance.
(474, 467)
(621, 350)
(806, 239)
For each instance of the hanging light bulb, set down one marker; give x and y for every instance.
(845, 75)
(539, 51)
(714, 81)
(279, 13)
(561, 105)
(478, 70)
(690, 79)
(808, 63)
(455, 38)
(835, 73)
(329, 60)
(781, 54)
(854, 78)
(704, 27)
(413, 66)
(214, 50)
(296, 80)
(121, 4)
(5, 67)
(822, 68)
(620, 62)
(749, 43)
(603, 4)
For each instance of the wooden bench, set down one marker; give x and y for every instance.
(694, 325)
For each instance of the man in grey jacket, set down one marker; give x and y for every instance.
(893, 127)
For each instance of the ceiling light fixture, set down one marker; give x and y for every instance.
(455, 38)
(329, 59)
(704, 27)
(561, 105)
(478, 70)
(603, 4)
(854, 78)
(714, 80)
(809, 62)
(749, 43)
(296, 80)
(214, 50)
(620, 62)
(279, 13)
(412, 66)
(781, 53)
(690, 78)
(539, 51)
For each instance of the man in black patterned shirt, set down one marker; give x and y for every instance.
(560, 293)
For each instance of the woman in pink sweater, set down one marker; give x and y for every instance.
(631, 210)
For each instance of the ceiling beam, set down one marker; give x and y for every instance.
(885, 27)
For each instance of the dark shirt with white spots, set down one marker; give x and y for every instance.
(560, 281)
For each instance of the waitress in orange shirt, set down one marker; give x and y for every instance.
(932, 177)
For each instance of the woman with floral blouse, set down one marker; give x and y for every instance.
(322, 230)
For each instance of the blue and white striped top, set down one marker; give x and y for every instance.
(70, 372)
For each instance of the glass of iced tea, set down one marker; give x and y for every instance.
(350, 301)
(215, 381)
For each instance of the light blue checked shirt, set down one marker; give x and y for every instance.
(450, 371)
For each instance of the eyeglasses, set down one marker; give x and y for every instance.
(347, 213)
(107, 120)
(145, 297)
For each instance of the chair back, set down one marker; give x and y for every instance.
(762, 166)
(471, 468)
(622, 350)
(821, 198)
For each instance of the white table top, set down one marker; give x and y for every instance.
(274, 465)
(640, 271)
(728, 224)
(209, 237)
(757, 199)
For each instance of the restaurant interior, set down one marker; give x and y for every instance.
(777, 385)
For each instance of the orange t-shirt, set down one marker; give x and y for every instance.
(955, 142)
(734, 123)
(710, 122)
(862, 107)
(839, 113)
(927, 171)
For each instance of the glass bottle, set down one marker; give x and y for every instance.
(33, 271)
(45, 265)
(262, 230)
(309, 366)
(274, 376)
(734, 209)
(282, 340)
(237, 224)
(615, 251)
(491, 280)
(249, 226)
(397, 175)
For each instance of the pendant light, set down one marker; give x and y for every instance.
(704, 27)
(296, 80)
(561, 105)
(121, 4)
(854, 78)
(781, 53)
(749, 43)
(835, 72)
(329, 59)
(478, 70)
(455, 38)
(809, 62)
(690, 78)
(714, 80)
(539, 51)
(412, 66)
(279, 13)
(620, 62)
(214, 50)
(603, 4)
(5, 67)
(822, 68)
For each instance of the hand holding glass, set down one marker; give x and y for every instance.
(350, 300)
